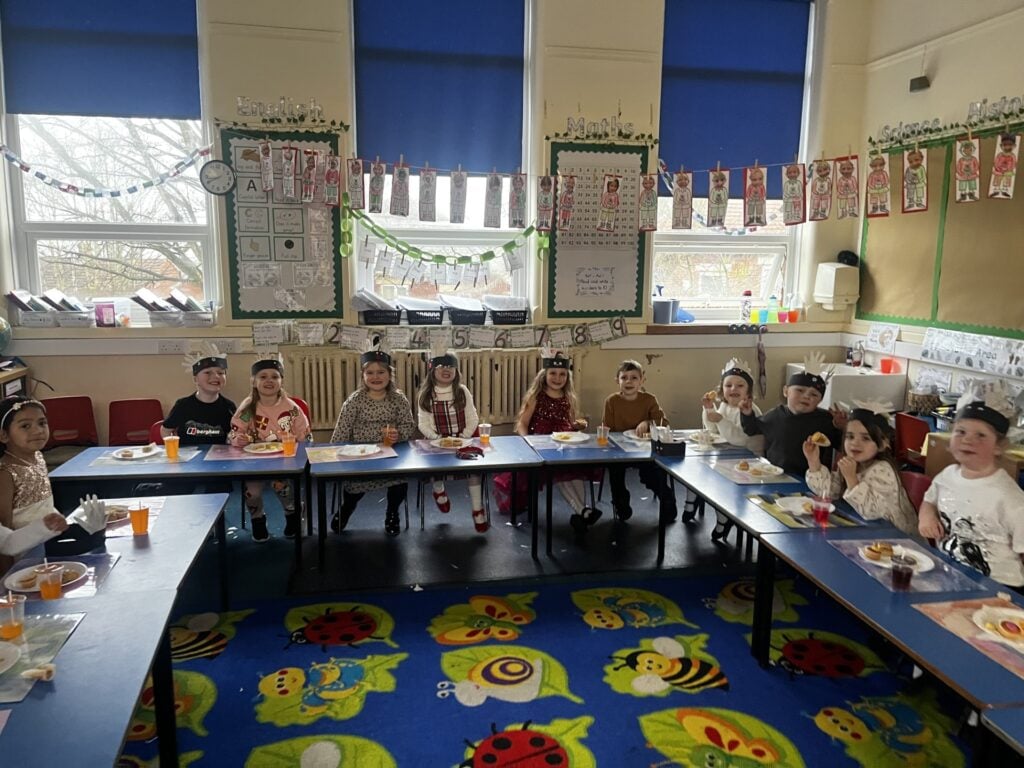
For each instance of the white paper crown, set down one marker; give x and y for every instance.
(268, 354)
(814, 363)
(738, 364)
(375, 343)
(993, 394)
(877, 407)
(438, 348)
(547, 351)
(206, 350)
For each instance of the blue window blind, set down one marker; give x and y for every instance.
(440, 83)
(114, 58)
(732, 86)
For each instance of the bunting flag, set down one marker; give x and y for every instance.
(682, 200)
(878, 187)
(1004, 166)
(755, 195)
(967, 170)
(821, 189)
(794, 194)
(647, 205)
(545, 203)
(846, 174)
(915, 180)
(428, 194)
(718, 196)
(356, 195)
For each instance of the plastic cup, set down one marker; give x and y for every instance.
(754, 315)
(385, 436)
(289, 445)
(902, 571)
(484, 430)
(794, 315)
(49, 580)
(602, 435)
(783, 315)
(762, 316)
(171, 446)
(820, 509)
(12, 616)
(140, 520)
(885, 364)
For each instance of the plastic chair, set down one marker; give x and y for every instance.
(304, 407)
(72, 428)
(911, 432)
(130, 420)
(155, 435)
(915, 484)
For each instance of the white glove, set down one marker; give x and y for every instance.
(93, 516)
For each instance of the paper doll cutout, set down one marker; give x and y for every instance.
(878, 187)
(545, 203)
(289, 159)
(682, 200)
(310, 170)
(332, 181)
(609, 203)
(821, 189)
(754, 195)
(400, 191)
(794, 202)
(915, 181)
(847, 187)
(968, 170)
(566, 200)
(718, 197)
(517, 201)
(377, 171)
(266, 167)
(428, 194)
(492, 201)
(1004, 167)
(356, 192)
(457, 214)
(648, 203)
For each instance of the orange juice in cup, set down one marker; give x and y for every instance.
(171, 446)
(49, 579)
(12, 616)
(140, 520)
(289, 445)
(484, 430)
(385, 436)
(602, 435)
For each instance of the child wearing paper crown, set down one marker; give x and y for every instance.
(787, 426)
(446, 409)
(266, 415)
(735, 386)
(204, 417)
(973, 509)
(867, 477)
(376, 407)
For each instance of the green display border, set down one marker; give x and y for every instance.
(226, 134)
(638, 308)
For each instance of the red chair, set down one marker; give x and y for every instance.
(915, 484)
(304, 407)
(130, 420)
(155, 435)
(911, 433)
(72, 428)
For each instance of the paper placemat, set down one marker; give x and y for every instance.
(43, 636)
(957, 617)
(328, 454)
(546, 443)
(424, 447)
(941, 578)
(108, 460)
(221, 452)
(727, 469)
(123, 528)
(767, 503)
(98, 566)
(631, 446)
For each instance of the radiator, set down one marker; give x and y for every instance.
(497, 378)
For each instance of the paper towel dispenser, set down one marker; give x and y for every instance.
(836, 286)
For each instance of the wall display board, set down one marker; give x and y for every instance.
(282, 252)
(596, 256)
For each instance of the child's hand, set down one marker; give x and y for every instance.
(812, 454)
(391, 434)
(708, 403)
(746, 406)
(839, 417)
(55, 522)
(580, 425)
(929, 525)
(848, 469)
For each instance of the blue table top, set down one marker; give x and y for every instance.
(78, 468)
(507, 452)
(563, 454)
(1007, 724)
(973, 675)
(81, 717)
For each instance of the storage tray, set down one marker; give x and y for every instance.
(467, 316)
(424, 316)
(382, 316)
(510, 316)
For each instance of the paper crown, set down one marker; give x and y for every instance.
(816, 373)
(738, 367)
(439, 354)
(991, 402)
(872, 411)
(375, 351)
(208, 356)
(267, 359)
(554, 358)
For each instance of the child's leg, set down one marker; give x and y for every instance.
(252, 492)
(583, 516)
(441, 497)
(620, 494)
(480, 520)
(285, 494)
(348, 506)
(689, 505)
(657, 481)
(722, 526)
(572, 492)
(392, 520)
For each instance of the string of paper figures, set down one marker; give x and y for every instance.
(73, 189)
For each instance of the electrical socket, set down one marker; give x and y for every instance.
(228, 346)
(171, 347)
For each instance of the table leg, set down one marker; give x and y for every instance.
(547, 501)
(297, 494)
(321, 519)
(764, 593)
(750, 547)
(307, 481)
(222, 556)
(163, 702)
(531, 506)
(513, 502)
(661, 538)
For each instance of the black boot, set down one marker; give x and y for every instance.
(342, 516)
(392, 522)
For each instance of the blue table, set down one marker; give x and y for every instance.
(507, 454)
(1007, 724)
(974, 676)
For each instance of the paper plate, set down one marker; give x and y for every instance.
(73, 567)
(795, 505)
(570, 437)
(760, 469)
(117, 514)
(631, 434)
(361, 449)
(263, 449)
(142, 452)
(451, 443)
(706, 438)
(923, 565)
(9, 655)
(1004, 625)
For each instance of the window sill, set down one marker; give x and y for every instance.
(718, 327)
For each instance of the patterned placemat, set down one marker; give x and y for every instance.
(731, 470)
(108, 460)
(942, 578)
(767, 503)
(98, 566)
(43, 636)
(958, 616)
(327, 454)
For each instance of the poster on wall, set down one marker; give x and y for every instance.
(281, 246)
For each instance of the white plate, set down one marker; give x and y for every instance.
(760, 469)
(114, 514)
(455, 443)
(143, 452)
(795, 505)
(630, 434)
(361, 449)
(923, 565)
(709, 439)
(988, 617)
(79, 569)
(264, 449)
(570, 437)
(9, 655)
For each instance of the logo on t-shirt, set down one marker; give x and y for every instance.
(195, 429)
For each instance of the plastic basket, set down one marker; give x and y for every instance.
(424, 316)
(76, 319)
(510, 316)
(199, 319)
(382, 316)
(467, 316)
(669, 449)
(165, 319)
(36, 319)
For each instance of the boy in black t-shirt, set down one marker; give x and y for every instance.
(204, 417)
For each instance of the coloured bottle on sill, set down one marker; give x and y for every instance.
(746, 303)
(773, 309)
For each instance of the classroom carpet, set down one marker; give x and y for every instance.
(621, 670)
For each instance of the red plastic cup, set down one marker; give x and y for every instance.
(794, 315)
(820, 506)
(885, 365)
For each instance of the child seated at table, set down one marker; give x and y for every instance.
(866, 477)
(204, 417)
(632, 407)
(787, 426)
(973, 508)
(376, 412)
(446, 409)
(266, 415)
(735, 385)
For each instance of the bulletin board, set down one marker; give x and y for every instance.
(281, 253)
(954, 266)
(593, 273)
